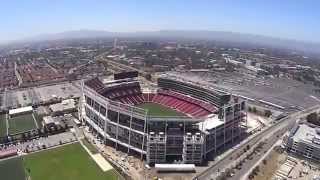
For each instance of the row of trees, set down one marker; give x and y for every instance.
(254, 172)
(44, 132)
(266, 112)
(40, 132)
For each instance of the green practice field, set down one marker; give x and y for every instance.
(70, 162)
(3, 126)
(159, 110)
(12, 169)
(21, 123)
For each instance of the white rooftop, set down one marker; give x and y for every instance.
(20, 110)
(210, 123)
(63, 106)
(307, 134)
(48, 120)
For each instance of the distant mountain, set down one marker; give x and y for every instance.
(204, 35)
(72, 35)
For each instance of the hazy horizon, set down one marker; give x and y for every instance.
(296, 20)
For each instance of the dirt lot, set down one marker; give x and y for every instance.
(270, 165)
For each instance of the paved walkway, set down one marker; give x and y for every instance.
(103, 164)
(98, 158)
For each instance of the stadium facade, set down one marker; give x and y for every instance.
(211, 118)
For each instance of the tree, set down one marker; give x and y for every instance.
(148, 77)
(264, 161)
(254, 110)
(55, 129)
(23, 137)
(267, 113)
(256, 170)
(28, 135)
(66, 126)
(313, 119)
(45, 130)
(39, 131)
(248, 147)
(249, 109)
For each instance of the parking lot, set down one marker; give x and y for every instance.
(281, 91)
(42, 142)
(25, 97)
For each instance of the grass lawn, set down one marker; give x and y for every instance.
(159, 110)
(12, 169)
(91, 148)
(70, 162)
(21, 123)
(3, 126)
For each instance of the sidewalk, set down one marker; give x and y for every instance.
(98, 158)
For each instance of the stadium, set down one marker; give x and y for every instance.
(177, 122)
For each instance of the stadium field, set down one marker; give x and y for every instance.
(3, 125)
(159, 110)
(12, 169)
(70, 162)
(21, 123)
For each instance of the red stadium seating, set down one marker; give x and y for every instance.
(130, 93)
(180, 102)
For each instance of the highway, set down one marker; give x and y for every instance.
(276, 129)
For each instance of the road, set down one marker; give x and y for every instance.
(228, 160)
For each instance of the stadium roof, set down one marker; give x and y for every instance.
(20, 110)
(194, 81)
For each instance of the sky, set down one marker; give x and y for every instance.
(290, 19)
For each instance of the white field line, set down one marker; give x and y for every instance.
(7, 124)
(35, 121)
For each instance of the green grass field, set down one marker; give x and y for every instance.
(12, 169)
(70, 162)
(159, 110)
(3, 126)
(21, 123)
